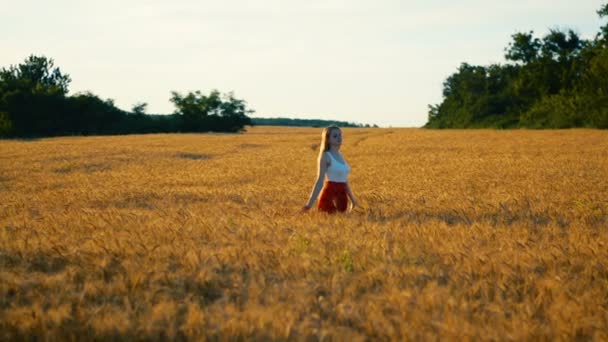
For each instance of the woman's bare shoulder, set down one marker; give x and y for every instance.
(324, 157)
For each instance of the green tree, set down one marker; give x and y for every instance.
(37, 74)
(524, 48)
(603, 35)
(139, 108)
(558, 81)
(213, 112)
(561, 46)
(33, 95)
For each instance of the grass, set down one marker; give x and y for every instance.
(460, 235)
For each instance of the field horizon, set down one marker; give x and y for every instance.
(461, 234)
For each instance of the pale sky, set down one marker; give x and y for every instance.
(365, 61)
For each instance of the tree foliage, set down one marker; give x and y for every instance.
(34, 101)
(214, 111)
(139, 108)
(37, 74)
(557, 81)
(306, 123)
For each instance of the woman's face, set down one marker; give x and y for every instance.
(335, 137)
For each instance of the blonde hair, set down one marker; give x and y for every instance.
(325, 138)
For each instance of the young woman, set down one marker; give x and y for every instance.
(335, 192)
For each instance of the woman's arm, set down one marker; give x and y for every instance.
(322, 169)
(349, 192)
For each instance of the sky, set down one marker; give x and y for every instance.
(364, 61)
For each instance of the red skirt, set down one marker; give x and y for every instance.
(333, 197)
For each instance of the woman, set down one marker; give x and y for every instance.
(336, 191)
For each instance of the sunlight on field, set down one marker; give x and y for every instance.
(461, 234)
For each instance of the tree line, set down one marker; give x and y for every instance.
(34, 102)
(306, 123)
(557, 81)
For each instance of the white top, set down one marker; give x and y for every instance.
(337, 171)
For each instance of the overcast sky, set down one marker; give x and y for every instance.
(366, 61)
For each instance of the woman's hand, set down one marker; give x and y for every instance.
(353, 204)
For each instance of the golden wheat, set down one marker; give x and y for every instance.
(493, 235)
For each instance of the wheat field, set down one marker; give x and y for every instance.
(471, 234)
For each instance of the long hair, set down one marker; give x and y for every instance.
(325, 138)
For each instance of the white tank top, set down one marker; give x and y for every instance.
(337, 171)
